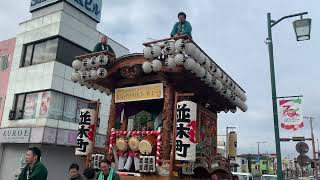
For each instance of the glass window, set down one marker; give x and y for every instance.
(67, 51)
(30, 106)
(56, 105)
(70, 109)
(45, 51)
(57, 49)
(4, 63)
(28, 55)
(44, 105)
(18, 106)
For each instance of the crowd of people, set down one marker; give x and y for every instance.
(36, 170)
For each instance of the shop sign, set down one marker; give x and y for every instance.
(15, 135)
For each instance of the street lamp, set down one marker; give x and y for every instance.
(301, 35)
(302, 27)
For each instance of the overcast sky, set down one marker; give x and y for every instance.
(233, 34)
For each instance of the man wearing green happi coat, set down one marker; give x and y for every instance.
(182, 27)
(34, 169)
(103, 46)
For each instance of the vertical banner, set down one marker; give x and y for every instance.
(86, 132)
(290, 114)
(186, 131)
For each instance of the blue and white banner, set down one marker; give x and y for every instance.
(90, 7)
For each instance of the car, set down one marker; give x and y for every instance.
(268, 177)
(243, 176)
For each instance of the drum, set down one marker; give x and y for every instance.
(121, 144)
(134, 143)
(148, 145)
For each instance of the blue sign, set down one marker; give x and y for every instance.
(91, 8)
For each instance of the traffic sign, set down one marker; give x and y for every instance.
(302, 147)
(303, 160)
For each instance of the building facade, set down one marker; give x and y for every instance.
(6, 55)
(42, 103)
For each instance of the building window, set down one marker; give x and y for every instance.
(242, 162)
(4, 62)
(48, 104)
(57, 49)
(18, 107)
(67, 51)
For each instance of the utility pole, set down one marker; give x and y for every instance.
(315, 170)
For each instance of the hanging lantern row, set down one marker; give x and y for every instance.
(186, 54)
(90, 69)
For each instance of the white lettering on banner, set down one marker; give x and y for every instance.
(90, 7)
(86, 132)
(186, 131)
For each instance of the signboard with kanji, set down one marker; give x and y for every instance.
(186, 131)
(86, 132)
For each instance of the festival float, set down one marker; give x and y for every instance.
(164, 108)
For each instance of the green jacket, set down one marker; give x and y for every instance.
(38, 172)
(115, 176)
(77, 178)
(182, 28)
(107, 47)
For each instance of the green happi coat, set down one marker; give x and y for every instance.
(38, 172)
(181, 28)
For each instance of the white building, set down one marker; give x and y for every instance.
(43, 100)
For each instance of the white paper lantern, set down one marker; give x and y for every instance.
(107, 91)
(196, 68)
(95, 87)
(102, 89)
(75, 77)
(85, 75)
(156, 65)
(190, 48)
(81, 82)
(156, 51)
(201, 72)
(93, 61)
(234, 110)
(202, 58)
(227, 94)
(196, 55)
(146, 66)
(93, 75)
(77, 64)
(180, 45)
(102, 60)
(216, 84)
(147, 53)
(169, 48)
(223, 77)
(208, 79)
(170, 62)
(243, 107)
(85, 63)
(208, 65)
(180, 59)
(89, 85)
(189, 64)
(102, 73)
